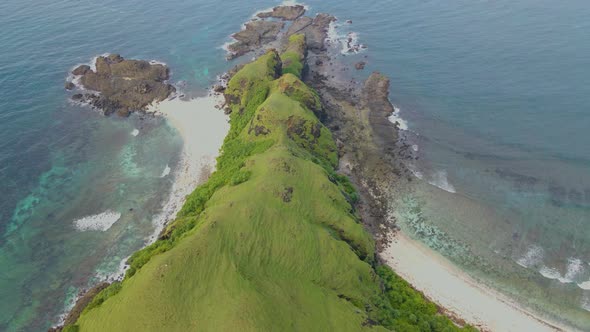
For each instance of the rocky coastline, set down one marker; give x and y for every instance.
(371, 150)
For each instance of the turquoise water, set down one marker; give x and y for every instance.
(496, 94)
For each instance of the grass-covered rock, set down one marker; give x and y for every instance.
(294, 56)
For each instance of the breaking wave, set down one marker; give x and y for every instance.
(97, 222)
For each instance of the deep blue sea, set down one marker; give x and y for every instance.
(496, 95)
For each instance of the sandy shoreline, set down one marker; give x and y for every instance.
(203, 128)
(459, 294)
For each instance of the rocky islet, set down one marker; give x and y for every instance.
(121, 86)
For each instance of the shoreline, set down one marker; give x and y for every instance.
(202, 127)
(459, 295)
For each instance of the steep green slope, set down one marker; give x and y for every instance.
(270, 242)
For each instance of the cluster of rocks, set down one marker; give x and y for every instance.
(253, 36)
(287, 13)
(259, 33)
(315, 30)
(121, 86)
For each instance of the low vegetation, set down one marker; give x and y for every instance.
(271, 242)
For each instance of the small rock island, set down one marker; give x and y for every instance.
(121, 86)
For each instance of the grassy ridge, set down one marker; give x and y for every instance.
(294, 56)
(270, 242)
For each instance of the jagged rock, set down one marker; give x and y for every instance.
(360, 65)
(78, 97)
(255, 35)
(299, 24)
(81, 70)
(376, 94)
(315, 30)
(125, 86)
(288, 13)
(69, 86)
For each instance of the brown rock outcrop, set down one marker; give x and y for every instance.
(288, 13)
(123, 86)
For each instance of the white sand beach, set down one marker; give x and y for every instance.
(203, 128)
(459, 294)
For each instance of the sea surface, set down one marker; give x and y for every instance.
(495, 96)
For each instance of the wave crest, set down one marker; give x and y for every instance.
(97, 222)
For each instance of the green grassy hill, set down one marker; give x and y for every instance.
(271, 242)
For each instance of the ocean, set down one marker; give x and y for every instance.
(495, 96)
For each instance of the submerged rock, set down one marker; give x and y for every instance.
(360, 65)
(288, 13)
(255, 35)
(123, 86)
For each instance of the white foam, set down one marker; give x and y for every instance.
(440, 179)
(165, 172)
(92, 63)
(585, 285)
(533, 256)
(156, 62)
(574, 268)
(97, 222)
(585, 303)
(551, 273)
(348, 43)
(135, 132)
(294, 3)
(397, 120)
(225, 46)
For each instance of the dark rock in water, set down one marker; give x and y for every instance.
(288, 13)
(299, 24)
(376, 94)
(218, 88)
(360, 65)
(114, 58)
(376, 98)
(255, 35)
(81, 70)
(69, 86)
(78, 97)
(125, 86)
(315, 30)
(349, 21)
